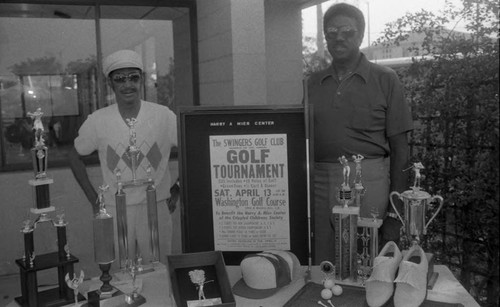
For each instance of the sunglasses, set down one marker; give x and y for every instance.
(345, 31)
(121, 78)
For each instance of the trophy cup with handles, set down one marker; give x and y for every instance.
(416, 203)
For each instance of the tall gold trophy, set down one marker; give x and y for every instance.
(104, 246)
(121, 208)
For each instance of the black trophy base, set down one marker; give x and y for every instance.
(51, 298)
(59, 296)
(118, 299)
(94, 297)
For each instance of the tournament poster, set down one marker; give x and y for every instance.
(249, 184)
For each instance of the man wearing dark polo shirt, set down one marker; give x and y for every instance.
(359, 109)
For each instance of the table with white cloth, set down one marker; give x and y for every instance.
(156, 288)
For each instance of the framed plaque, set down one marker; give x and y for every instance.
(244, 180)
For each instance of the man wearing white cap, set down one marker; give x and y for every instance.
(132, 124)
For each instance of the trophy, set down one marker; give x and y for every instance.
(356, 238)
(133, 268)
(74, 283)
(133, 153)
(104, 246)
(416, 202)
(104, 256)
(31, 262)
(415, 205)
(345, 216)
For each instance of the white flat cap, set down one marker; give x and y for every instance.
(121, 59)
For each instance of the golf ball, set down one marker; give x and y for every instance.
(329, 283)
(326, 294)
(337, 290)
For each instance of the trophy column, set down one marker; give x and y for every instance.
(154, 241)
(346, 225)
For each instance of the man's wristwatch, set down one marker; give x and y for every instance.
(175, 187)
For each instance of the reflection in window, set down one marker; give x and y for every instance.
(47, 62)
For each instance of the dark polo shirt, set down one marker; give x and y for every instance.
(358, 114)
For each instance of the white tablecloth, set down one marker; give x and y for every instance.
(157, 290)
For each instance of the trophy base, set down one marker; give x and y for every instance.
(43, 210)
(51, 297)
(109, 294)
(40, 181)
(136, 183)
(133, 301)
(369, 222)
(120, 300)
(345, 210)
(146, 268)
(206, 302)
(94, 297)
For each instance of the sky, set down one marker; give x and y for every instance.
(377, 13)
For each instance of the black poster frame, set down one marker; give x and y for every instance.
(196, 125)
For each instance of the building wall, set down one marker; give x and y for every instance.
(250, 52)
(283, 52)
(182, 66)
(215, 52)
(248, 29)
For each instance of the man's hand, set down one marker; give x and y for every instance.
(95, 209)
(390, 230)
(174, 198)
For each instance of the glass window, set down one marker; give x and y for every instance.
(50, 58)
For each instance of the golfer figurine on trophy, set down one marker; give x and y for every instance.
(359, 190)
(344, 195)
